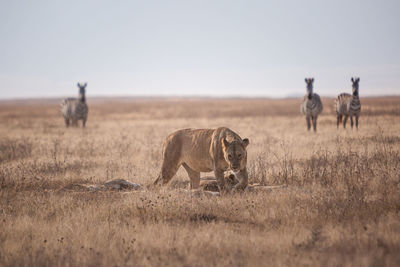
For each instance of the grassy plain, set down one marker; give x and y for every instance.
(340, 206)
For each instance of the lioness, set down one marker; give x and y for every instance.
(205, 150)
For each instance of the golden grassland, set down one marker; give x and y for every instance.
(339, 207)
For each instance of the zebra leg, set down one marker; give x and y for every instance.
(66, 122)
(74, 122)
(357, 122)
(351, 122)
(83, 122)
(344, 121)
(314, 121)
(339, 120)
(308, 122)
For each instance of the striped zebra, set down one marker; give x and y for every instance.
(311, 106)
(75, 109)
(348, 105)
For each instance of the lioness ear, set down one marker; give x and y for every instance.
(225, 143)
(245, 142)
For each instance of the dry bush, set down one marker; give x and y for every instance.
(339, 207)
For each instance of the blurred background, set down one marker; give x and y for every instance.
(198, 48)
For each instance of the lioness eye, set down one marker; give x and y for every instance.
(239, 155)
(229, 156)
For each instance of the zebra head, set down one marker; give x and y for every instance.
(309, 82)
(355, 82)
(82, 89)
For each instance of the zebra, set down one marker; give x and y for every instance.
(311, 105)
(75, 109)
(348, 105)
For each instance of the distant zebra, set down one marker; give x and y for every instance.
(348, 105)
(75, 109)
(311, 105)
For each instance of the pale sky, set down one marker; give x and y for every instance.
(201, 48)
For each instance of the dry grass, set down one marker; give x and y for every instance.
(340, 206)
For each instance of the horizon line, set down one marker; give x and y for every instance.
(194, 96)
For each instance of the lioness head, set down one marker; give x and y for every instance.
(235, 153)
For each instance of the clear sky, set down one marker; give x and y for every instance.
(208, 48)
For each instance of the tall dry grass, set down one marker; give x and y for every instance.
(340, 205)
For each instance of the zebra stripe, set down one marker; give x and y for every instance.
(74, 109)
(347, 105)
(311, 106)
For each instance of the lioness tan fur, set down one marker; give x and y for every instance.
(205, 150)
